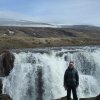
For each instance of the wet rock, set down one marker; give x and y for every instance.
(63, 98)
(91, 98)
(1, 85)
(39, 83)
(66, 58)
(6, 63)
(5, 97)
(60, 54)
(98, 97)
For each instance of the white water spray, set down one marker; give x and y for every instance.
(39, 76)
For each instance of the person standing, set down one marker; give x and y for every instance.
(71, 81)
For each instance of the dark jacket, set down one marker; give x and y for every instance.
(71, 78)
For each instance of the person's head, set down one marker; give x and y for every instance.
(71, 64)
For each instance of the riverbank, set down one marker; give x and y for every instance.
(16, 42)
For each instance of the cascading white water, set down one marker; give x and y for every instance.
(39, 76)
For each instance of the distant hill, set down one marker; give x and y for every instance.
(83, 30)
(23, 23)
(29, 37)
(82, 27)
(45, 30)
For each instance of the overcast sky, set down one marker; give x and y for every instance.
(68, 12)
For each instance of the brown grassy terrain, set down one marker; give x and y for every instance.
(8, 42)
(28, 37)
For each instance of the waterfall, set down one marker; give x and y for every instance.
(39, 76)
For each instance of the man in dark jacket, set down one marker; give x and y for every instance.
(71, 81)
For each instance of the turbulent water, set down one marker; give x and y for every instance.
(39, 75)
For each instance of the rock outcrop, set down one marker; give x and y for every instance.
(6, 63)
(63, 98)
(98, 97)
(5, 97)
(1, 85)
(92, 98)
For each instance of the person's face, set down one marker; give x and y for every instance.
(71, 65)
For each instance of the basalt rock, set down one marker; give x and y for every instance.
(6, 63)
(1, 85)
(91, 98)
(63, 98)
(5, 97)
(98, 97)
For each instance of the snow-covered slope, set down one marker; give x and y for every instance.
(12, 22)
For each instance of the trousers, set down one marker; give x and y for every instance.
(73, 89)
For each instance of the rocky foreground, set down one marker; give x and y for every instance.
(92, 98)
(5, 97)
(6, 65)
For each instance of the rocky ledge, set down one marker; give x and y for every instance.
(5, 97)
(92, 98)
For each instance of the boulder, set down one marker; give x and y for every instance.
(6, 63)
(5, 97)
(98, 97)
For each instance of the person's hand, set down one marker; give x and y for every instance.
(65, 87)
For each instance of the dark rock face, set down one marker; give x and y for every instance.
(40, 85)
(5, 97)
(1, 85)
(98, 97)
(63, 98)
(6, 63)
(92, 98)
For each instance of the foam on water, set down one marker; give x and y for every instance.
(39, 76)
